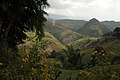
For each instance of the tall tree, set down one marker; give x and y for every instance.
(19, 16)
(16, 18)
(74, 57)
(116, 32)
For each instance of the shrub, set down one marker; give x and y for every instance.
(29, 63)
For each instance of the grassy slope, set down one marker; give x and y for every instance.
(62, 33)
(69, 36)
(113, 47)
(67, 73)
(52, 42)
(82, 43)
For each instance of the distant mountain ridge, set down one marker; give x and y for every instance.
(69, 30)
(79, 23)
(111, 24)
(72, 24)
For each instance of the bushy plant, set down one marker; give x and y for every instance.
(29, 63)
(110, 72)
(100, 67)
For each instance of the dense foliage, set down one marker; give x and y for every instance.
(116, 33)
(29, 63)
(16, 18)
(19, 16)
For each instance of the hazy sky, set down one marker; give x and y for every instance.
(86, 9)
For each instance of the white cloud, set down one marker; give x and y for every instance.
(86, 9)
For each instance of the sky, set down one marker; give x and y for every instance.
(86, 9)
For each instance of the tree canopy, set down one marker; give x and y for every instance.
(116, 32)
(19, 16)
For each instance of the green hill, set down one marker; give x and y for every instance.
(61, 32)
(82, 43)
(113, 47)
(93, 28)
(69, 36)
(51, 42)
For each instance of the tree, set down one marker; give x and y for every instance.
(74, 57)
(18, 17)
(116, 32)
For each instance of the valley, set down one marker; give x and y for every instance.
(76, 47)
(80, 38)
